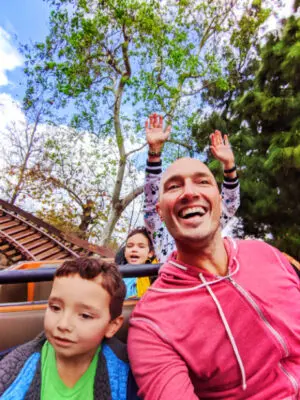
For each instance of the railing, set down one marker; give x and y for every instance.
(46, 274)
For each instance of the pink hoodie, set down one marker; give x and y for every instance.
(194, 335)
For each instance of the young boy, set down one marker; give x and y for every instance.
(76, 357)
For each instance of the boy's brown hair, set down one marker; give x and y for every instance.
(90, 268)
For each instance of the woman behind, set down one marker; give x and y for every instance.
(137, 250)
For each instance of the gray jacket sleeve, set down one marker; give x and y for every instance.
(11, 365)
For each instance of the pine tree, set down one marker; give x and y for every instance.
(261, 112)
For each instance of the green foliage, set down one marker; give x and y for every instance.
(263, 116)
(108, 64)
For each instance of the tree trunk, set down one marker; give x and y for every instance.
(111, 223)
(116, 212)
(86, 219)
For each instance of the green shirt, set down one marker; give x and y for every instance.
(53, 387)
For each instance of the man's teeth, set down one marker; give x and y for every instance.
(189, 212)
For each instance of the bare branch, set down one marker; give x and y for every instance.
(183, 144)
(135, 150)
(131, 196)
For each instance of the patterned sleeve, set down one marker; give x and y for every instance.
(162, 241)
(230, 199)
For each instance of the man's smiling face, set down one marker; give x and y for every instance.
(190, 202)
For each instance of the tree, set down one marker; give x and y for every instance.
(262, 117)
(272, 112)
(77, 179)
(22, 148)
(113, 62)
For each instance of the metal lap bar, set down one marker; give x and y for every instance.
(46, 274)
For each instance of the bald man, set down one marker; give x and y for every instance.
(222, 319)
(156, 136)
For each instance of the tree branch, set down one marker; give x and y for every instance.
(131, 196)
(186, 145)
(135, 150)
(125, 52)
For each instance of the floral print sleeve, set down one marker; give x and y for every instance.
(230, 199)
(163, 242)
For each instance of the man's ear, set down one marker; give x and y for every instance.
(158, 210)
(114, 326)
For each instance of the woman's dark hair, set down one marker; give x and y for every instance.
(120, 256)
(142, 230)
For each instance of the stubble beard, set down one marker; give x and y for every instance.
(198, 241)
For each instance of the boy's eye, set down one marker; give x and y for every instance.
(86, 316)
(54, 307)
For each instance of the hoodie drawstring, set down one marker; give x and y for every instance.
(228, 330)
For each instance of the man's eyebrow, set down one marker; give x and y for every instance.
(203, 174)
(172, 178)
(179, 177)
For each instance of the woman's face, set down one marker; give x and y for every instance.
(137, 249)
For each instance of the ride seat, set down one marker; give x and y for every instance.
(15, 292)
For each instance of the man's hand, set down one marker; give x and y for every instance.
(221, 149)
(155, 134)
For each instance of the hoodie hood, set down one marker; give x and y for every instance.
(187, 277)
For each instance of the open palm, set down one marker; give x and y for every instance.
(220, 148)
(155, 133)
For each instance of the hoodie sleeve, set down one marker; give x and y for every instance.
(160, 372)
(292, 271)
(230, 199)
(162, 241)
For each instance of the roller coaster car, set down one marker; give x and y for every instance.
(21, 292)
(21, 322)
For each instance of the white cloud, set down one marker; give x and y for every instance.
(10, 112)
(9, 56)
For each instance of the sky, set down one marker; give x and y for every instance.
(21, 21)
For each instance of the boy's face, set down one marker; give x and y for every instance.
(78, 317)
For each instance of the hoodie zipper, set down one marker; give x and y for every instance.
(271, 329)
(291, 378)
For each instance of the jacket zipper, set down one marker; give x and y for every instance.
(290, 377)
(271, 329)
